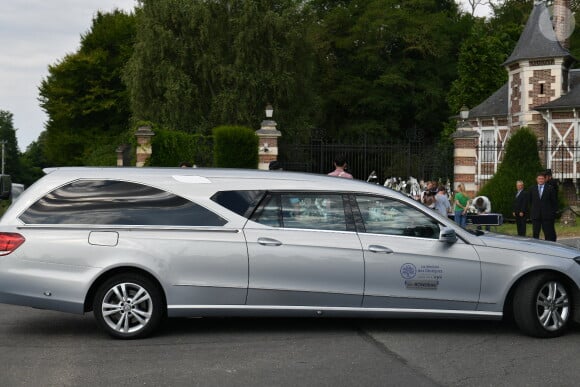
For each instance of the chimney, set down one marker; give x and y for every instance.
(562, 16)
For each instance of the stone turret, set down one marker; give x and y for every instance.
(538, 70)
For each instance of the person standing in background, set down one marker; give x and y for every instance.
(551, 182)
(520, 208)
(339, 168)
(442, 202)
(461, 201)
(543, 208)
(428, 195)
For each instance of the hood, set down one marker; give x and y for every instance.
(529, 245)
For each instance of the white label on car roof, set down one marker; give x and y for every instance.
(192, 179)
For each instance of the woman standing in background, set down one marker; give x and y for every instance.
(461, 200)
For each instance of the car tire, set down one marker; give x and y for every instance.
(542, 305)
(129, 306)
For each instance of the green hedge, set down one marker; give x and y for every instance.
(521, 162)
(172, 147)
(235, 147)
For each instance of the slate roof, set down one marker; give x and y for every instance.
(494, 106)
(568, 100)
(538, 39)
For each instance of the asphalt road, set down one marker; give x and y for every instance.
(42, 348)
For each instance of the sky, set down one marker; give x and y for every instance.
(33, 35)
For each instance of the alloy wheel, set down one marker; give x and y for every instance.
(552, 306)
(127, 307)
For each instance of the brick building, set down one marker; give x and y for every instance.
(542, 93)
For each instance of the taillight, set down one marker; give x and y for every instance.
(9, 241)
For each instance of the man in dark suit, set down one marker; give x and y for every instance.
(550, 181)
(520, 208)
(543, 208)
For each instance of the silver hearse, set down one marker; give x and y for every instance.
(136, 245)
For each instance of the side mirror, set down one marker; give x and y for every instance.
(448, 235)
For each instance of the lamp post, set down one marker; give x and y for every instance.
(268, 139)
(269, 111)
(464, 114)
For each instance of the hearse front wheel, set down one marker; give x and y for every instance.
(128, 306)
(543, 305)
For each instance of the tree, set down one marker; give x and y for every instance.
(84, 96)
(479, 70)
(510, 12)
(34, 160)
(521, 162)
(199, 64)
(11, 154)
(474, 4)
(386, 65)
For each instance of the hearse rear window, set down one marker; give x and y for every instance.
(117, 203)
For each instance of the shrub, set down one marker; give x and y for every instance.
(235, 147)
(521, 162)
(172, 147)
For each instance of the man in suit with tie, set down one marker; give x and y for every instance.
(543, 208)
(520, 208)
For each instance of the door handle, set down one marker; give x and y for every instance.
(380, 249)
(269, 242)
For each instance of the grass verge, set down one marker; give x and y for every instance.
(562, 230)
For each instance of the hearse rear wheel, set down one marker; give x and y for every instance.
(128, 306)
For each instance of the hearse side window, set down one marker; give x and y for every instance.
(117, 203)
(241, 202)
(269, 212)
(387, 216)
(318, 211)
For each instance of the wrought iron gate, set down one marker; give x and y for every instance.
(401, 159)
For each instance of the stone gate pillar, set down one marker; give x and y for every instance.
(144, 151)
(268, 143)
(120, 155)
(465, 141)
